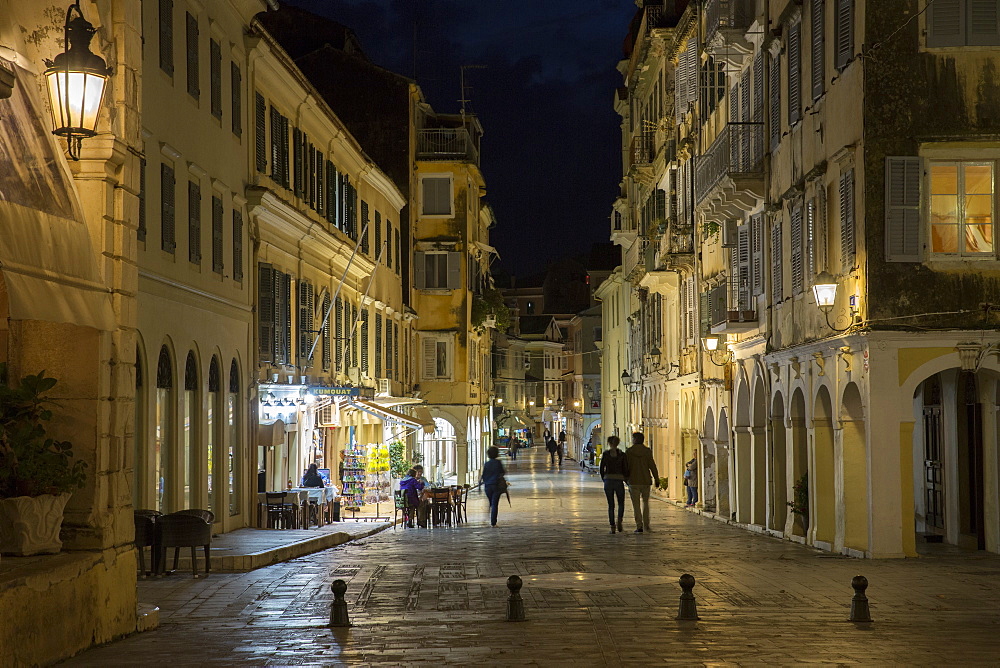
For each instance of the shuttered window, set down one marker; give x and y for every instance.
(194, 222)
(319, 188)
(398, 265)
(279, 148)
(326, 334)
(811, 250)
(141, 232)
(267, 315)
(283, 321)
(310, 185)
(236, 98)
(902, 209)
(332, 197)
(822, 230)
(796, 265)
(437, 270)
(298, 145)
(166, 24)
(396, 372)
(686, 79)
(774, 89)
(217, 247)
(260, 131)
(844, 33)
(743, 275)
(338, 316)
(757, 254)
(436, 359)
(237, 245)
(352, 349)
(306, 295)
(794, 73)
(436, 200)
(388, 241)
(366, 230)
(818, 46)
(215, 76)
(847, 244)
(378, 345)
(193, 87)
(378, 237)
(777, 289)
(167, 208)
(963, 23)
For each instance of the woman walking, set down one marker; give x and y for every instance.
(493, 479)
(614, 471)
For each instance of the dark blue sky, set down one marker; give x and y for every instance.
(551, 149)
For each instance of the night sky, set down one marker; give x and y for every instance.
(551, 152)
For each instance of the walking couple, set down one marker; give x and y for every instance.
(636, 466)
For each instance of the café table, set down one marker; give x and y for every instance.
(320, 496)
(297, 497)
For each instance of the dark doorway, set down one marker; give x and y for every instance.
(970, 460)
(933, 455)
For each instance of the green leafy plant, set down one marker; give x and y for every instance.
(490, 303)
(800, 498)
(710, 229)
(398, 463)
(664, 482)
(30, 463)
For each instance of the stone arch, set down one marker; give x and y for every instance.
(709, 469)
(822, 474)
(192, 480)
(854, 456)
(797, 523)
(163, 464)
(760, 445)
(778, 465)
(742, 454)
(723, 463)
(142, 484)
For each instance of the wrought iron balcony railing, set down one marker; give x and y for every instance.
(731, 306)
(727, 15)
(446, 144)
(738, 149)
(643, 149)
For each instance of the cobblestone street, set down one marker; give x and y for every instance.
(591, 598)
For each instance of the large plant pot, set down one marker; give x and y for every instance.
(30, 524)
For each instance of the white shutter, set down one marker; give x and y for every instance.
(847, 242)
(744, 269)
(984, 23)
(946, 23)
(757, 254)
(902, 209)
(844, 32)
(794, 73)
(818, 47)
(429, 359)
(777, 292)
(795, 240)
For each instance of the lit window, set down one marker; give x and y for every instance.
(961, 208)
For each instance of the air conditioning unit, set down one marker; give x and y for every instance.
(327, 417)
(490, 321)
(383, 387)
(354, 375)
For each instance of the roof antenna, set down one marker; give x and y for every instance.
(464, 97)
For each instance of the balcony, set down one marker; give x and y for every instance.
(446, 144)
(623, 229)
(726, 24)
(634, 257)
(729, 177)
(731, 307)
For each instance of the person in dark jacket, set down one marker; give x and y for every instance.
(642, 475)
(552, 446)
(614, 471)
(312, 478)
(493, 472)
(411, 485)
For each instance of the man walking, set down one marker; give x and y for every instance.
(642, 474)
(550, 445)
(691, 480)
(561, 445)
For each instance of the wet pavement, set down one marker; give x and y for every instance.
(591, 598)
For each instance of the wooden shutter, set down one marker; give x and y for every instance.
(194, 222)
(429, 346)
(326, 333)
(167, 208)
(297, 146)
(795, 241)
(260, 130)
(704, 314)
(276, 143)
(847, 242)
(946, 20)
(215, 77)
(774, 88)
(332, 204)
(193, 88)
(902, 209)
(744, 263)
(378, 345)
(777, 289)
(320, 188)
(810, 241)
(305, 324)
(844, 32)
(984, 23)
(366, 230)
(338, 313)
(266, 316)
(746, 131)
(141, 231)
(353, 347)
(388, 241)
(236, 95)
(396, 371)
(237, 245)
(283, 324)
(795, 73)
(757, 254)
(454, 271)
(822, 230)
(398, 265)
(818, 50)
(285, 167)
(166, 20)
(217, 213)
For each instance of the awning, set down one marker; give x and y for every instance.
(487, 248)
(271, 434)
(426, 419)
(521, 420)
(389, 415)
(48, 264)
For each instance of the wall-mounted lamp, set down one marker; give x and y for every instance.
(630, 384)
(499, 400)
(531, 402)
(76, 79)
(655, 358)
(825, 292)
(717, 357)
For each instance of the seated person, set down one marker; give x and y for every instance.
(312, 478)
(410, 486)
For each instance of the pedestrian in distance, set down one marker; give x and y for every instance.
(512, 446)
(561, 446)
(552, 446)
(614, 471)
(691, 480)
(642, 474)
(493, 481)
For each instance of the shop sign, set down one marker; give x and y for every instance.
(357, 392)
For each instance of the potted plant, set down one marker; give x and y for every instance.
(800, 505)
(37, 474)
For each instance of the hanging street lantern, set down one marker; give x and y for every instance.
(76, 79)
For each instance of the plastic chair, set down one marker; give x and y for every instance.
(184, 529)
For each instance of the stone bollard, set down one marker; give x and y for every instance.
(688, 609)
(859, 604)
(338, 610)
(515, 605)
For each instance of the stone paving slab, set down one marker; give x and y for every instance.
(437, 596)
